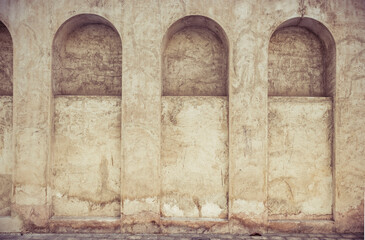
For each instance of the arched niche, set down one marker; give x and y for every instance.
(194, 125)
(86, 143)
(87, 57)
(302, 59)
(6, 62)
(301, 88)
(6, 119)
(195, 58)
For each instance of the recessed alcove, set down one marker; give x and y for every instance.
(195, 59)
(296, 65)
(6, 120)
(194, 130)
(87, 81)
(301, 87)
(88, 60)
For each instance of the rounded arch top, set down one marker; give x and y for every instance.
(313, 25)
(196, 21)
(5, 24)
(6, 61)
(302, 59)
(78, 21)
(87, 57)
(195, 58)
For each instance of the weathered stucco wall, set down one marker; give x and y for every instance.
(247, 28)
(6, 120)
(194, 157)
(295, 63)
(88, 62)
(86, 156)
(195, 64)
(300, 158)
(6, 156)
(6, 62)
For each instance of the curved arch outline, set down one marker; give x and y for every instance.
(95, 19)
(72, 23)
(196, 21)
(7, 27)
(12, 51)
(326, 38)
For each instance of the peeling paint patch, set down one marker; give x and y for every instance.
(248, 207)
(140, 205)
(194, 156)
(172, 210)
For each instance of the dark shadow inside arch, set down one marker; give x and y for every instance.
(301, 104)
(305, 51)
(87, 57)
(6, 120)
(6, 61)
(195, 58)
(86, 119)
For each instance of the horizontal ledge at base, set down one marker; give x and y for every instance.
(303, 99)
(301, 220)
(98, 219)
(182, 219)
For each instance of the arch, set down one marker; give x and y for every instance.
(204, 69)
(6, 61)
(194, 120)
(6, 119)
(316, 32)
(86, 81)
(301, 92)
(96, 45)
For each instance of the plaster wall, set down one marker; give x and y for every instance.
(6, 158)
(296, 64)
(6, 120)
(194, 157)
(300, 158)
(142, 25)
(195, 64)
(6, 62)
(88, 62)
(87, 159)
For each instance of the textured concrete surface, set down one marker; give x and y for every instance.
(88, 62)
(86, 162)
(145, 28)
(6, 62)
(184, 236)
(300, 158)
(6, 158)
(194, 157)
(195, 64)
(296, 63)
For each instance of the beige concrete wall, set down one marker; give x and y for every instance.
(194, 157)
(142, 25)
(88, 62)
(86, 156)
(296, 66)
(195, 64)
(6, 62)
(300, 158)
(6, 154)
(6, 120)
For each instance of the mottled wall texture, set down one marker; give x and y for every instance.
(6, 120)
(295, 63)
(300, 122)
(86, 154)
(182, 116)
(194, 124)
